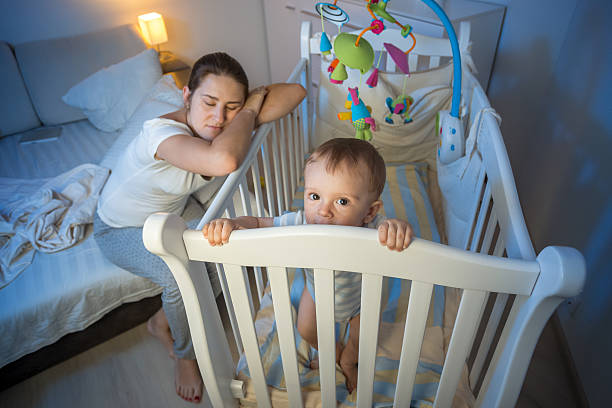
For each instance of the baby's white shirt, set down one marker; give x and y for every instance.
(141, 185)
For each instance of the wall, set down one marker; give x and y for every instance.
(551, 84)
(194, 27)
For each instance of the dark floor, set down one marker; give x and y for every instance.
(550, 381)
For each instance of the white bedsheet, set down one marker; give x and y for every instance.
(45, 215)
(66, 291)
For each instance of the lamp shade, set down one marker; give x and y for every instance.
(153, 28)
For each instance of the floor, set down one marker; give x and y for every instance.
(134, 370)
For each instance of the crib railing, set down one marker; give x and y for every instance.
(539, 284)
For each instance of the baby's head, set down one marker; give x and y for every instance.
(343, 180)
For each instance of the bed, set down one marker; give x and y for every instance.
(458, 313)
(60, 294)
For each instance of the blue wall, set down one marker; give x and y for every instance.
(552, 85)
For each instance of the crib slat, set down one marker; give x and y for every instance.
(492, 324)
(324, 290)
(488, 236)
(413, 62)
(265, 157)
(291, 156)
(414, 330)
(245, 197)
(434, 61)
(474, 210)
(257, 188)
(371, 289)
(390, 64)
(296, 150)
(283, 159)
(466, 324)
(482, 214)
(300, 119)
(230, 309)
(285, 324)
(277, 172)
(238, 287)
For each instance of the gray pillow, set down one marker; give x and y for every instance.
(51, 67)
(16, 111)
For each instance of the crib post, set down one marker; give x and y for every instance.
(562, 275)
(163, 236)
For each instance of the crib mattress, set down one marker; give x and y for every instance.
(66, 291)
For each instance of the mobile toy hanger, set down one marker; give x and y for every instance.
(355, 52)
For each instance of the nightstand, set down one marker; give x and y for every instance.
(178, 69)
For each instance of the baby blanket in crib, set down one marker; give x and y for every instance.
(47, 215)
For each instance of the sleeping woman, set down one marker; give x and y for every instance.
(174, 156)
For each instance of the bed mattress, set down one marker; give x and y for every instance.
(66, 291)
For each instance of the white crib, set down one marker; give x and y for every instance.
(492, 260)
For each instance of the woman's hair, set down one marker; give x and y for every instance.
(218, 63)
(355, 154)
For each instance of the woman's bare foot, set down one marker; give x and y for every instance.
(187, 380)
(158, 327)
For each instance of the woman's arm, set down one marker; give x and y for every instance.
(281, 99)
(224, 153)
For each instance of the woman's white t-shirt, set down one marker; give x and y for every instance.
(141, 185)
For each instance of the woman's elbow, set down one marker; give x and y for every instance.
(227, 163)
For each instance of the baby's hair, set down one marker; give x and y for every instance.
(354, 153)
(217, 63)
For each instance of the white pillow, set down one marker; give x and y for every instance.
(110, 96)
(163, 98)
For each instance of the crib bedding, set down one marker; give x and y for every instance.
(66, 291)
(405, 197)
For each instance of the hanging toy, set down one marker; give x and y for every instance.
(332, 13)
(338, 72)
(399, 106)
(360, 115)
(380, 8)
(325, 46)
(372, 80)
(354, 52)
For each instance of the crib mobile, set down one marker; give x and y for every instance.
(355, 52)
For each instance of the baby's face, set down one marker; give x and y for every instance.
(339, 198)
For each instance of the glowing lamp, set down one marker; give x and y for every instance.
(153, 28)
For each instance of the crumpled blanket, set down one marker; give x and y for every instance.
(47, 215)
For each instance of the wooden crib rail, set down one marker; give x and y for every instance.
(558, 272)
(357, 249)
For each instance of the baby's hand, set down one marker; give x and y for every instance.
(218, 231)
(395, 234)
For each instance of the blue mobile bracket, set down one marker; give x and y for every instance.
(448, 124)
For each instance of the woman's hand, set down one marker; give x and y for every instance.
(395, 234)
(255, 99)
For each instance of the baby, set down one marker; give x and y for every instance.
(343, 180)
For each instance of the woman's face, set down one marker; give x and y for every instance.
(213, 104)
